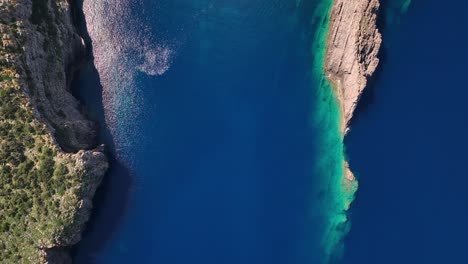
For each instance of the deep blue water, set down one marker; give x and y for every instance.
(218, 155)
(408, 144)
(219, 145)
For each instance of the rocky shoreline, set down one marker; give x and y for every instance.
(353, 45)
(40, 48)
(353, 42)
(55, 166)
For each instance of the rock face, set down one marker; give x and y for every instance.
(48, 70)
(353, 45)
(50, 167)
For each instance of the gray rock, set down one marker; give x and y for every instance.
(351, 58)
(52, 51)
(353, 45)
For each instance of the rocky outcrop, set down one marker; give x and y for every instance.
(353, 44)
(49, 165)
(352, 48)
(51, 50)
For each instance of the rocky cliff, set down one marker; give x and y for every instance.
(351, 58)
(352, 48)
(49, 167)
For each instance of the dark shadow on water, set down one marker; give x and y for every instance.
(366, 101)
(384, 22)
(111, 198)
(368, 96)
(80, 23)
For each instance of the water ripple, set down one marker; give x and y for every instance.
(122, 47)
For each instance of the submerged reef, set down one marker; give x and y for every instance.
(50, 167)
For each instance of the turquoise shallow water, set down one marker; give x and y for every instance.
(221, 117)
(220, 114)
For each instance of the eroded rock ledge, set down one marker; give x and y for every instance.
(352, 48)
(50, 167)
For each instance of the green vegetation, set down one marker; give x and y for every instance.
(33, 176)
(39, 185)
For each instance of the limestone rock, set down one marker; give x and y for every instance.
(52, 50)
(353, 45)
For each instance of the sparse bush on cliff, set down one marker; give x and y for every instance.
(38, 183)
(34, 179)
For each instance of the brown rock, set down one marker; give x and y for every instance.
(353, 45)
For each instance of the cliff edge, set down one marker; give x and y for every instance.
(353, 44)
(352, 48)
(50, 167)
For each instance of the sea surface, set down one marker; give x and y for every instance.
(408, 143)
(224, 141)
(222, 131)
